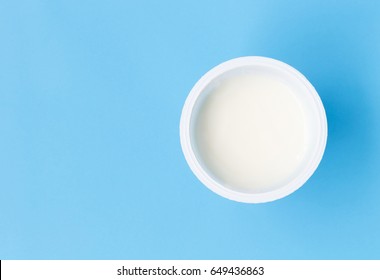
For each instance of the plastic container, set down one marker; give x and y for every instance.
(313, 139)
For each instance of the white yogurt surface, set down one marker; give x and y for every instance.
(250, 133)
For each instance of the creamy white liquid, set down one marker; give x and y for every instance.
(250, 133)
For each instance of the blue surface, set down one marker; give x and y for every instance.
(91, 94)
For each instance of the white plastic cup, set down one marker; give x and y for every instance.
(307, 96)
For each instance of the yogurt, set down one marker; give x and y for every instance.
(250, 133)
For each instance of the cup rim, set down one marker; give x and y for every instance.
(198, 170)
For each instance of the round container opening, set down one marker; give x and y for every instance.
(253, 129)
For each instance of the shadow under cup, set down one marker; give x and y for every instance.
(253, 129)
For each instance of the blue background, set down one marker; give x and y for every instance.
(91, 94)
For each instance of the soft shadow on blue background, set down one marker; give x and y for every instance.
(91, 94)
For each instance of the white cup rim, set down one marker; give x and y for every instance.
(203, 175)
